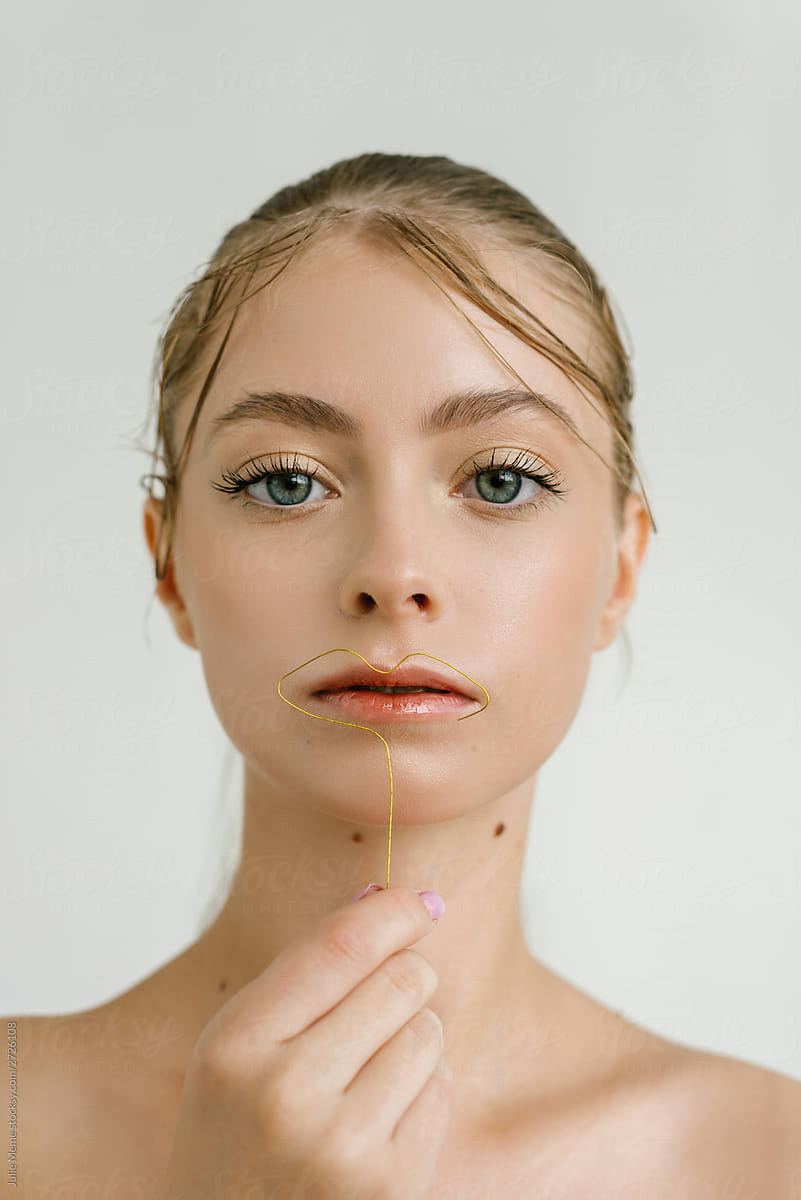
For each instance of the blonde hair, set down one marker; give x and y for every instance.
(436, 212)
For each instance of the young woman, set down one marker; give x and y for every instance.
(394, 422)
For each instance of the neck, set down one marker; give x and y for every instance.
(298, 864)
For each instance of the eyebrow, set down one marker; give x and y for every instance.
(471, 406)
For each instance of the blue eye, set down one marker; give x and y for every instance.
(286, 482)
(289, 484)
(505, 477)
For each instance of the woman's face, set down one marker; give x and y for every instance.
(393, 547)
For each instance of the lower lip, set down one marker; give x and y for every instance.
(380, 706)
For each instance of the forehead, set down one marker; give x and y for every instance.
(361, 326)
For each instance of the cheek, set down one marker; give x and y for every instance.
(247, 589)
(567, 598)
(550, 636)
(248, 601)
(243, 587)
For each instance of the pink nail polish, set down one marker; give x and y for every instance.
(371, 887)
(434, 903)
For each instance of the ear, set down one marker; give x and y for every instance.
(167, 588)
(632, 542)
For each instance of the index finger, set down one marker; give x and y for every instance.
(312, 974)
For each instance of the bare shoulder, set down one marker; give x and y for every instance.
(78, 1124)
(749, 1116)
(734, 1126)
(44, 1106)
(658, 1117)
(39, 1097)
(670, 1120)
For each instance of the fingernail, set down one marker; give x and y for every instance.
(371, 887)
(434, 903)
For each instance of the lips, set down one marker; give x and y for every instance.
(406, 676)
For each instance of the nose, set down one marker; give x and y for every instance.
(396, 590)
(367, 601)
(395, 568)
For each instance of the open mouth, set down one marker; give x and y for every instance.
(379, 703)
(387, 691)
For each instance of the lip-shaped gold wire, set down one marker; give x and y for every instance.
(334, 721)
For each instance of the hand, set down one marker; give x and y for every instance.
(323, 1078)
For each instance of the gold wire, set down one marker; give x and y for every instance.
(367, 727)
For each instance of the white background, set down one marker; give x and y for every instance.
(664, 870)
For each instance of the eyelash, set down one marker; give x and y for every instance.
(521, 464)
